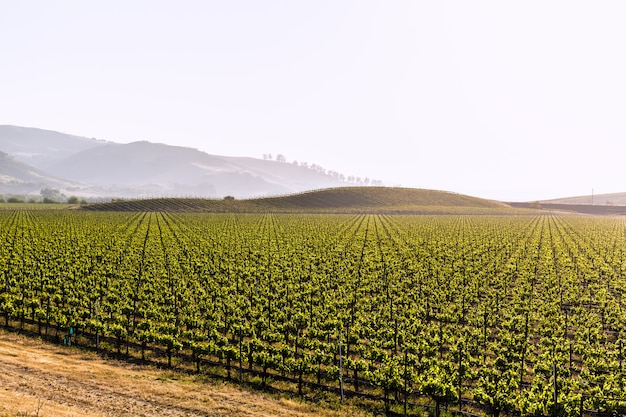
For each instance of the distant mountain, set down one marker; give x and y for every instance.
(146, 168)
(19, 178)
(40, 148)
(613, 204)
(186, 171)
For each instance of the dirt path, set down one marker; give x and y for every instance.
(37, 378)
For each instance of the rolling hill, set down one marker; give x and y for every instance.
(612, 199)
(41, 148)
(335, 200)
(19, 178)
(186, 171)
(613, 204)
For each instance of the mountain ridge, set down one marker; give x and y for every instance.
(98, 168)
(19, 178)
(37, 147)
(33, 159)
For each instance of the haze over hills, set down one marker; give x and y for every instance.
(599, 204)
(611, 199)
(40, 148)
(19, 178)
(90, 167)
(32, 160)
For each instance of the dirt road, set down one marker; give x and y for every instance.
(39, 379)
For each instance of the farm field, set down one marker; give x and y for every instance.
(329, 201)
(401, 313)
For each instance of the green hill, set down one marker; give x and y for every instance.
(334, 200)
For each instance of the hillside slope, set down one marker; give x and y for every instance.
(612, 199)
(108, 169)
(335, 200)
(179, 171)
(41, 148)
(349, 197)
(19, 178)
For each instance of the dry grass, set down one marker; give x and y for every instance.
(39, 379)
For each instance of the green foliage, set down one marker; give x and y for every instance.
(497, 387)
(437, 383)
(422, 306)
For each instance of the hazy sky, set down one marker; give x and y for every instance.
(511, 100)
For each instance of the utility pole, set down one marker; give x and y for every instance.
(592, 196)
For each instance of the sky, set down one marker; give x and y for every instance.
(508, 100)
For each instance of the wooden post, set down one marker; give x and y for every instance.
(340, 369)
(555, 395)
(460, 376)
(405, 371)
(582, 405)
(240, 355)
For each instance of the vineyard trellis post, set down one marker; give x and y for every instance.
(460, 374)
(621, 349)
(406, 355)
(555, 394)
(241, 353)
(340, 367)
(582, 405)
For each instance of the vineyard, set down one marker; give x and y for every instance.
(333, 200)
(483, 315)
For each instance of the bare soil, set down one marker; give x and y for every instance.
(40, 379)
